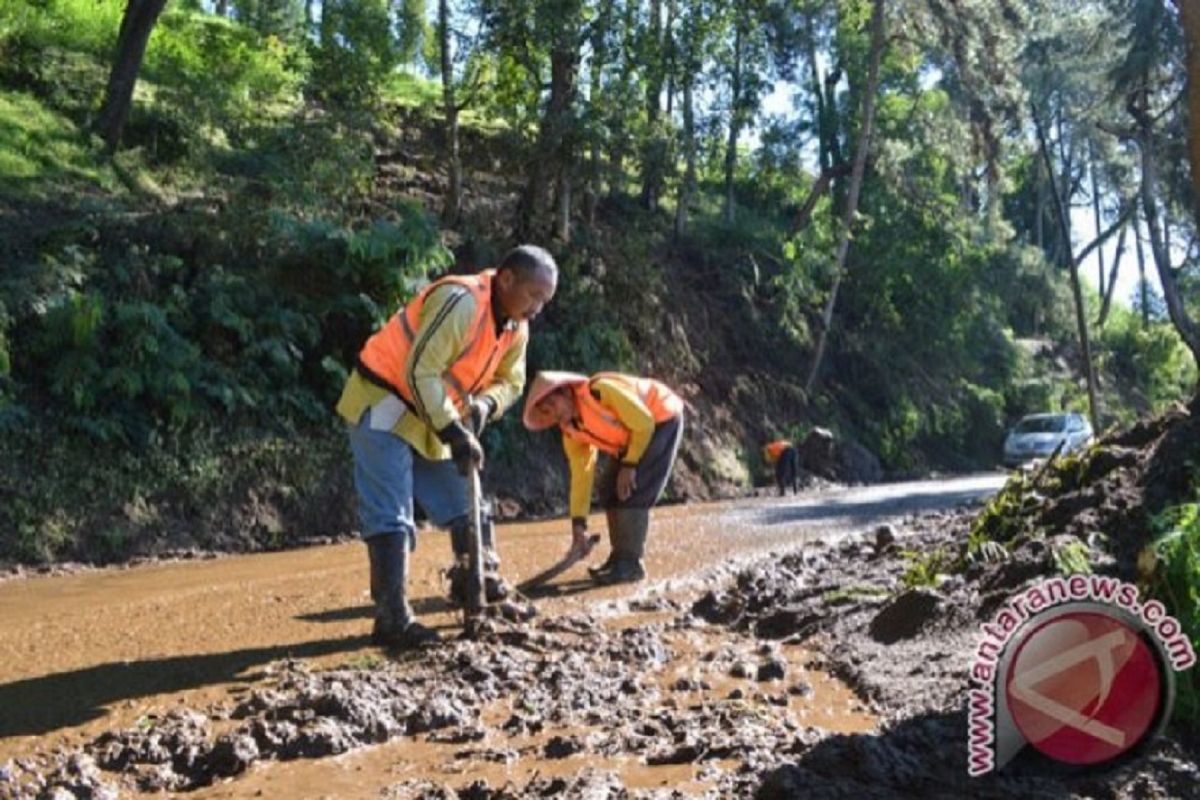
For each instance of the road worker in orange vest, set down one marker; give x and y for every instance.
(638, 424)
(785, 458)
(425, 386)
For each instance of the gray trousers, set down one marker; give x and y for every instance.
(652, 471)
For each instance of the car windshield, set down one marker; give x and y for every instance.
(1042, 425)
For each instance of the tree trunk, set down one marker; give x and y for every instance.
(453, 200)
(552, 158)
(1096, 217)
(735, 118)
(669, 56)
(222, 8)
(1158, 249)
(1064, 229)
(688, 185)
(1040, 213)
(652, 155)
(1112, 279)
(1141, 259)
(856, 178)
(1189, 13)
(820, 186)
(592, 189)
(136, 25)
(563, 221)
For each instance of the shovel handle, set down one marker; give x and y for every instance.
(475, 585)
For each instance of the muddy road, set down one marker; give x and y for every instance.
(117, 650)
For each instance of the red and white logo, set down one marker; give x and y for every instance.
(1084, 687)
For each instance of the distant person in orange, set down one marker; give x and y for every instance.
(638, 424)
(785, 458)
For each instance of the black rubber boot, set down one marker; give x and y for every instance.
(494, 587)
(597, 573)
(629, 545)
(394, 624)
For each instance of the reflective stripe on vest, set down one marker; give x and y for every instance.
(600, 427)
(388, 355)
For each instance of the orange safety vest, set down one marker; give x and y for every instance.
(775, 449)
(598, 425)
(384, 358)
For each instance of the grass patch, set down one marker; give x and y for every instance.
(926, 569)
(849, 594)
(42, 152)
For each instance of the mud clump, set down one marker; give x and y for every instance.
(906, 616)
(570, 689)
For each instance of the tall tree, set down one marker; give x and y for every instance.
(1064, 223)
(1150, 87)
(1189, 13)
(601, 36)
(136, 25)
(450, 206)
(690, 60)
(878, 42)
(654, 65)
(551, 31)
(737, 105)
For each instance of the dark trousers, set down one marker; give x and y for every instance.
(652, 471)
(787, 471)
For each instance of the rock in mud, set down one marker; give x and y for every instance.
(772, 670)
(905, 616)
(718, 608)
(233, 754)
(885, 537)
(563, 746)
(324, 737)
(799, 622)
(742, 669)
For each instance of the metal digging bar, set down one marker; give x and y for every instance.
(474, 608)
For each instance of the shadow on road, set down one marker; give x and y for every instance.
(39, 705)
(862, 512)
(420, 606)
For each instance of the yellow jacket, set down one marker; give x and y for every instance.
(621, 398)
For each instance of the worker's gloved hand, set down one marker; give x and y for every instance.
(626, 482)
(465, 449)
(581, 542)
(480, 412)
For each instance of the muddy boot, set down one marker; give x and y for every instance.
(394, 625)
(598, 572)
(494, 587)
(629, 544)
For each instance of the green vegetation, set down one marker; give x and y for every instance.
(927, 569)
(1175, 577)
(190, 304)
(41, 152)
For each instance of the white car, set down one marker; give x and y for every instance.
(1037, 435)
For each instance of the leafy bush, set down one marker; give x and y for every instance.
(1175, 578)
(1152, 363)
(355, 54)
(127, 344)
(216, 74)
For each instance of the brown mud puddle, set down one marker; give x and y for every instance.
(103, 651)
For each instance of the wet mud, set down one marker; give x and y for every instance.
(812, 671)
(734, 685)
